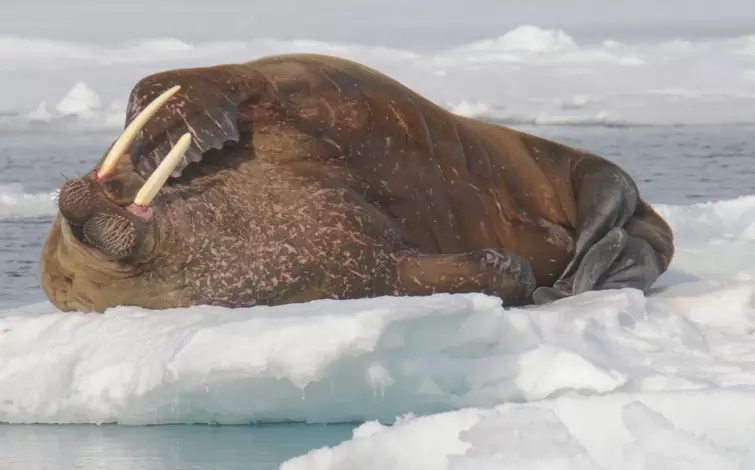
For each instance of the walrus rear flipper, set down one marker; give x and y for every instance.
(490, 271)
(206, 105)
(606, 256)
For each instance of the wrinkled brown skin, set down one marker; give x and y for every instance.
(332, 178)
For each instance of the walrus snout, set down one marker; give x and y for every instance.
(112, 234)
(76, 200)
(99, 222)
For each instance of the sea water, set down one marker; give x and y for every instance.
(167, 447)
(605, 380)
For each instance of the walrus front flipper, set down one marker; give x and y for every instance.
(206, 106)
(490, 271)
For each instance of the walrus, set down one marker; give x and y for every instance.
(303, 176)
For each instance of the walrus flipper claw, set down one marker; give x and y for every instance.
(490, 271)
(206, 106)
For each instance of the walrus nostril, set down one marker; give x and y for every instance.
(75, 200)
(112, 234)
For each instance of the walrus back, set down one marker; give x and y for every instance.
(454, 183)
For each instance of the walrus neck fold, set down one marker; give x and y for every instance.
(76, 277)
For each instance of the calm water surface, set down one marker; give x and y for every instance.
(114, 447)
(671, 165)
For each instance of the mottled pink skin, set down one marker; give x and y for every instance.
(143, 212)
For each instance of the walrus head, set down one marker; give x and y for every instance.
(107, 228)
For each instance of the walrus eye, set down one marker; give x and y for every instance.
(155, 182)
(119, 147)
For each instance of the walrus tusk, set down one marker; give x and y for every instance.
(119, 147)
(162, 173)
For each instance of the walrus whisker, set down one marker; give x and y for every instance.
(119, 147)
(162, 173)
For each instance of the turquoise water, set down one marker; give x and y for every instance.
(113, 447)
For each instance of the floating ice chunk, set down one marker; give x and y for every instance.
(529, 38)
(41, 114)
(470, 109)
(574, 102)
(80, 100)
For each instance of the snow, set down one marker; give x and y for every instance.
(528, 74)
(663, 431)
(609, 380)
